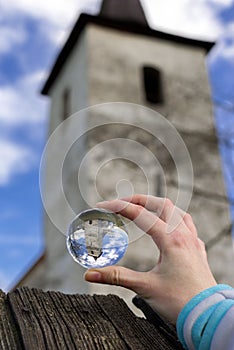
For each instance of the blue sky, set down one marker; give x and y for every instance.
(31, 35)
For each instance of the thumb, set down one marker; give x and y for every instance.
(119, 276)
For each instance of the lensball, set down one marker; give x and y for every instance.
(97, 238)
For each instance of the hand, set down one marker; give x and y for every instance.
(182, 270)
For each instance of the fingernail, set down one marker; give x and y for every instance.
(93, 276)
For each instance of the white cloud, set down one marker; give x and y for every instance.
(56, 35)
(224, 49)
(58, 31)
(10, 37)
(226, 45)
(184, 17)
(52, 11)
(228, 51)
(14, 159)
(56, 17)
(22, 103)
(222, 3)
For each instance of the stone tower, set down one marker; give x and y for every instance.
(114, 57)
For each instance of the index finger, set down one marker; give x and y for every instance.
(144, 219)
(149, 202)
(164, 208)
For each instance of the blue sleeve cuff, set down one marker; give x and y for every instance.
(191, 305)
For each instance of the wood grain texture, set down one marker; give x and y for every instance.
(9, 333)
(33, 319)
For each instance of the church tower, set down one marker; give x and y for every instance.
(116, 57)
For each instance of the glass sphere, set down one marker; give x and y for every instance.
(97, 238)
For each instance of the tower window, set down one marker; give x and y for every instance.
(153, 84)
(66, 103)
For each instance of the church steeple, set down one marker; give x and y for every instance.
(124, 10)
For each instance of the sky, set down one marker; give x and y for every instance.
(31, 35)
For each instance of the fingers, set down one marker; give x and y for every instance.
(120, 276)
(164, 209)
(166, 212)
(189, 223)
(144, 219)
(149, 202)
(162, 206)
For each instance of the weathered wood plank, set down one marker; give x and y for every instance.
(33, 319)
(9, 335)
(138, 332)
(52, 320)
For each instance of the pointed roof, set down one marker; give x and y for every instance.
(123, 15)
(124, 10)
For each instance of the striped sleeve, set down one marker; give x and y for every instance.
(207, 321)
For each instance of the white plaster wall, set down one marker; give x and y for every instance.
(73, 75)
(116, 59)
(58, 270)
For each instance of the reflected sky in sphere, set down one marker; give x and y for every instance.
(114, 246)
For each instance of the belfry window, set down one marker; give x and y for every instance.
(153, 84)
